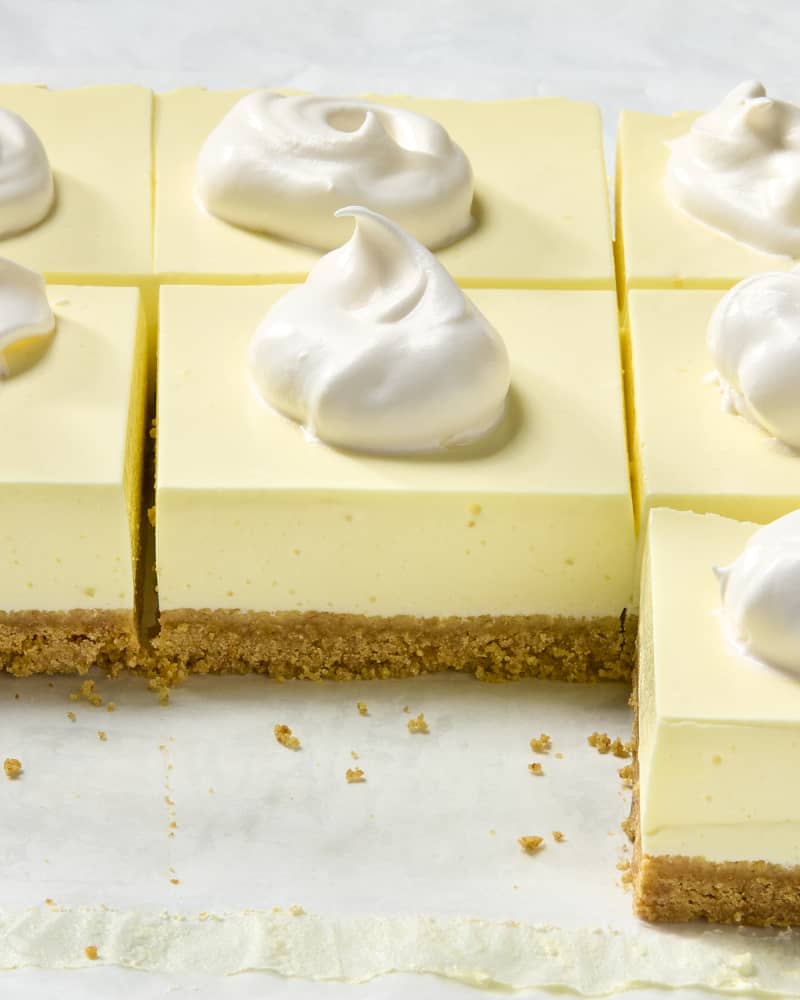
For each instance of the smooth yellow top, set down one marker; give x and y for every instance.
(71, 437)
(98, 141)
(719, 735)
(541, 196)
(663, 246)
(536, 518)
(689, 453)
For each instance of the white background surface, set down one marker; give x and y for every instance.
(649, 56)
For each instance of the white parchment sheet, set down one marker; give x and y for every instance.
(416, 870)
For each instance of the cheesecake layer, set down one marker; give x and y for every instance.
(99, 143)
(658, 245)
(688, 453)
(71, 444)
(718, 744)
(541, 205)
(329, 646)
(533, 520)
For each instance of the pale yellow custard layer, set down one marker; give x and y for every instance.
(541, 205)
(535, 519)
(719, 735)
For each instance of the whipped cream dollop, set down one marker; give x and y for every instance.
(26, 181)
(738, 170)
(25, 312)
(284, 165)
(761, 595)
(754, 339)
(380, 350)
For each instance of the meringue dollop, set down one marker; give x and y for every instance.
(738, 169)
(754, 339)
(26, 181)
(284, 165)
(25, 313)
(380, 351)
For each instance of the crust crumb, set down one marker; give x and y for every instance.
(627, 775)
(620, 749)
(530, 845)
(418, 725)
(174, 881)
(559, 756)
(102, 735)
(87, 692)
(354, 775)
(354, 755)
(90, 951)
(600, 741)
(160, 689)
(541, 743)
(71, 716)
(111, 707)
(362, 708)
(13, 768)
(558, 837)
(283, 734)
(536, 768)
(406, 708)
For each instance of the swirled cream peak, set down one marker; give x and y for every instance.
(26, 181)
(738, 170)
(761, 595)
(284, 165)
(380, 350)
(754, 339)
(25, 312)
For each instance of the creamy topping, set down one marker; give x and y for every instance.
(761, 595)
(380, 350)
(738, 169)
(754, 338)
(26, 182)
(25, 312)
(284, 165)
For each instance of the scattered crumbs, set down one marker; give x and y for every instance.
(716, 759)
(283, 734)
(536, 768)
(627, 873)
(151, 516)
(559, 756)
(49, 902)
(541, 743)
(600, 741)
(161, 690)
(174, 881)
(296, 910)
(354, 755)
(418, 725)
(354, 776)
(102, 735)
(558, 837)
(362, 708)
(530, 845)
(620, 749)
(71, 716)
(90, 951)
(626, 773)
(406, 708)
(111, 707)
(87, 692)
(13, 768)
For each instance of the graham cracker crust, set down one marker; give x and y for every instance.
(673, 888)
(67, 642)
(322, 645)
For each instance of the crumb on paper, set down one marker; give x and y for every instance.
(362, 708)
(111, 707)
(541, 743)
(600, 741)
(558, 837)
(90, 951)
(620, 748)
(406, 709)
(13, 768)
(161, 690)
(530, 845)
(354, 755)
(283, 734)
(418, 725)
(354, 776)
(71, 716)
(296, 910)
(49, 902)
(174, 881)
(102, 735)
(626, 774)
(87, 692)
(559, 756)
(536, 768)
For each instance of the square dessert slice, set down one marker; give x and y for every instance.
(540, 208)
(511, 556)
(98, 141)
(71, 440)
(658, 244)
(716, 823)
(688, 451)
